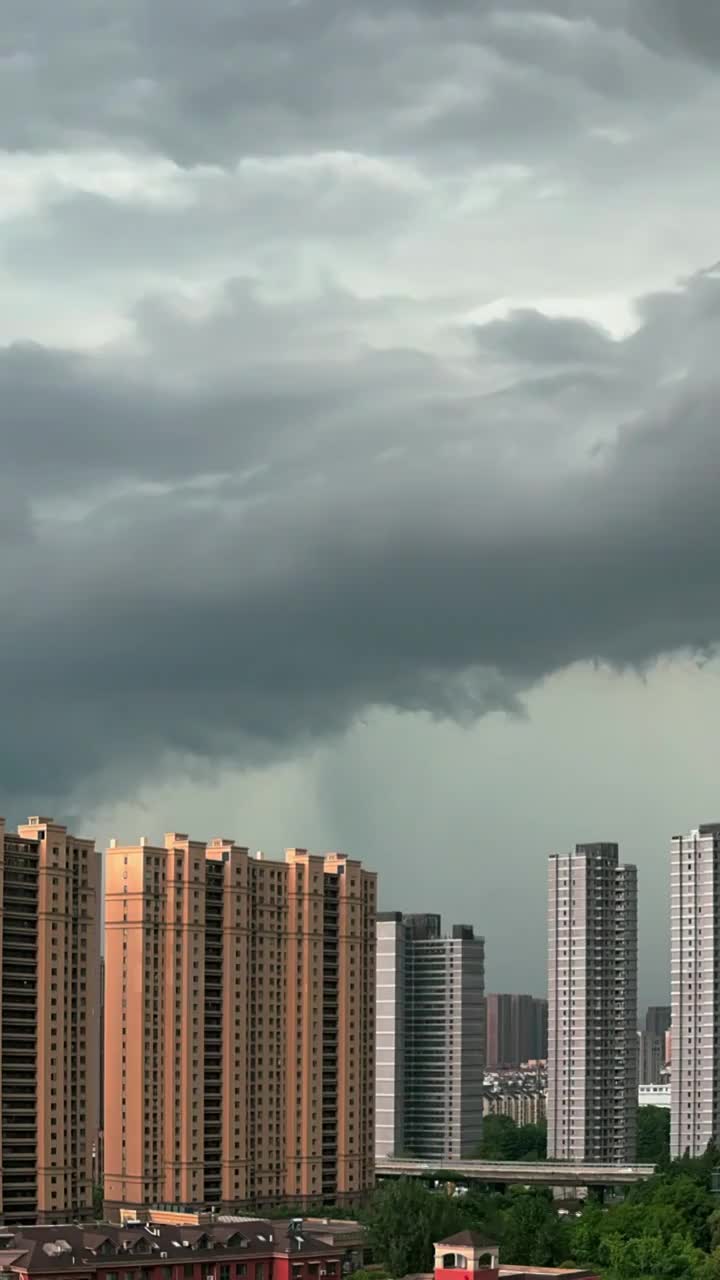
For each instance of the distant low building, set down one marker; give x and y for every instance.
(658, 1019)
(521, 1106)
(651, 1056)
(654, 1095)
(516, 1029)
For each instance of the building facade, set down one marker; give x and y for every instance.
(239, 1026)
(695, 990)
(182, 1250)
(521, 1105)
(651, 1057)
(658, 1018)
(592, 988)
(50, 1021)
(654, 1095)
(391, 1034)
(430, 1038)
(516, 1030)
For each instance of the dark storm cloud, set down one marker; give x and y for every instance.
(211, 82)
(326, 530)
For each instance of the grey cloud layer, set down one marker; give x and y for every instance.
(286, 76)
(327, 531)
(240, 525)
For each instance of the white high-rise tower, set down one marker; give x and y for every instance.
(695, 989)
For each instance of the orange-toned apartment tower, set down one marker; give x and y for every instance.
(50, 1022)
(239, 1026)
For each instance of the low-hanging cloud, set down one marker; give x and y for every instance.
(233, 538)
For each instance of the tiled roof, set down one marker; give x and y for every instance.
(468, 1240)
(57, 1248)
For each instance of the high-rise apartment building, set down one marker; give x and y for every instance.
(430, 1038)
(390, 1022)
(239, 1026)
(516, 1030)
(695, 990)
(658, 1019)
(592, 987)
(49, 1021)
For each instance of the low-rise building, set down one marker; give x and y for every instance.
(468, 1256)
(654, 1095)
(521, 1106)
(248, 1250)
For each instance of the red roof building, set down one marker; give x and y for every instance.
(246, 1250)
(468, 1256)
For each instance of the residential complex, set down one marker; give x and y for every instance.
(517, 1092)
(516, 1030)
(592, 988)
(695, 989)
(430, 1038)
(523, 1106)
(239, 1026)
(49, 1018)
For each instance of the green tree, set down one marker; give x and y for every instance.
(587, 1234)
(653, 1135)
(502, 1139)
(533, 1232)
(709, 1269)
(404, 1220)
(714, 1229)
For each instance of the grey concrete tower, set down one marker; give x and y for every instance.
(592, 1014)
(430, 1011)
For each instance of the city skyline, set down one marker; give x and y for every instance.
(503, 971)
(201, 939)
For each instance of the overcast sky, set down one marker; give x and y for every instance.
(359, 435)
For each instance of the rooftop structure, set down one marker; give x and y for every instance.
(469, 1256)
(251, 1250)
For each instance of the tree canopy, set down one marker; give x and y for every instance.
(502, 1139)
(667, 1228)
(653, 1135)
